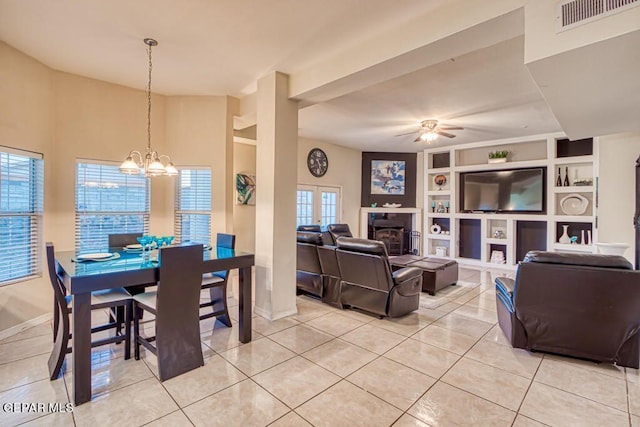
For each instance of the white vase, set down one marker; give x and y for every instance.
(565, 236)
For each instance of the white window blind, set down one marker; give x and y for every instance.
(192, 219)
(21, 205)
(108, 202)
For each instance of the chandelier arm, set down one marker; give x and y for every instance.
(131, 154)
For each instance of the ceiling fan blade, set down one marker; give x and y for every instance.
(407, 133)
(450, 128)
(417, 139)
(448, 135)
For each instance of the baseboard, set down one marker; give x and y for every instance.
(270, 316)
(23, 326)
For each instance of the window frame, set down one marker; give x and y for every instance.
(35, 213)
(178, 211)
(145, 214)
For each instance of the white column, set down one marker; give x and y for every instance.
(276, 182)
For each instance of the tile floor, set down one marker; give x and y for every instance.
(445, 364)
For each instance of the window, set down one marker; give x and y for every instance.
(21, 204)
(318, 205)
(108, 202)
(193, 206)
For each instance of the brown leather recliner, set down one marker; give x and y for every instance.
(308, 269)
(580, 305)
(339, 230)
(368, 283)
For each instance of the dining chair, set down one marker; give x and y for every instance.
(216, 282)
(116, 297)
(175, 306)
(117, 242)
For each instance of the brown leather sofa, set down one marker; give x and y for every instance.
(308, 269)
(314, 228)
(367, 282)
(581, 305)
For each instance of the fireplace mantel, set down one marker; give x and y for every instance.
(416, 218)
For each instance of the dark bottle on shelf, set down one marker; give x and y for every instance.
(559, 180)
(566, 177)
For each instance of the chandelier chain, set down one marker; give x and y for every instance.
(149, 102)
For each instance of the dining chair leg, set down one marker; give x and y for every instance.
(56, 320)
(136, 333)
(218, 296)
(59, 351)
(127, 333)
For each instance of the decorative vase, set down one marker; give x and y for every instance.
(565, 235)
(582, 241)
(589, 242)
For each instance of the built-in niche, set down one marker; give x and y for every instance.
(393, 180)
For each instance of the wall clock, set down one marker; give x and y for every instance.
(317, 162)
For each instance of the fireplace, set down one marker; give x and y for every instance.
(400, 228)
(391, 233)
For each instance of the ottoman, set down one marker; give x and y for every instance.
(436, 273)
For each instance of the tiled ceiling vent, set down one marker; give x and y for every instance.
(578, 12)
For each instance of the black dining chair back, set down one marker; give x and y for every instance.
(60, 312)
(124, 239)
(217, 284)
(116, 297)
(176, 307)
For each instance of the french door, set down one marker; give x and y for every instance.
(318, 205)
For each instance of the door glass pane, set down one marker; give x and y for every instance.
(305, 208)
(329, 208)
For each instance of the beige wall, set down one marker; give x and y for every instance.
(68, 117)
(345, 171)
(244, 216)
(101, 121)
(198, 134)
(26, 123)
(616, 189)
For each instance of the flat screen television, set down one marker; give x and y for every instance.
(514, 190)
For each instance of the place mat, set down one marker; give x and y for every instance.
(116, 255)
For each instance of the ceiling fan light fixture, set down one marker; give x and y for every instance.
(430, 136)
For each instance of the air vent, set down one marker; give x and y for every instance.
(578, 12)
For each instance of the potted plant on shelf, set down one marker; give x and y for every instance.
(498, 156)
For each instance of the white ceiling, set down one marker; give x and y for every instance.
(206, 47)
(489, 92)
(224, 46)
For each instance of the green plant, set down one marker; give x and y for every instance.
(498, 154)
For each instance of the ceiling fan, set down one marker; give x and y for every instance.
(429, 131)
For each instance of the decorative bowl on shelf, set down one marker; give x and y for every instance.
(574, 204)
(440, 181)
(391, 205)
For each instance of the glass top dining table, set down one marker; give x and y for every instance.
(129, 269)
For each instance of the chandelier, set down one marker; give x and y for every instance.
(150, 164)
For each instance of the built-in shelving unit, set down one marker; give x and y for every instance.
(473, 237)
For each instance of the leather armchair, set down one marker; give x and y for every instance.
(367, 282)
(580, 305)
(339, 230)
(308, 270)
